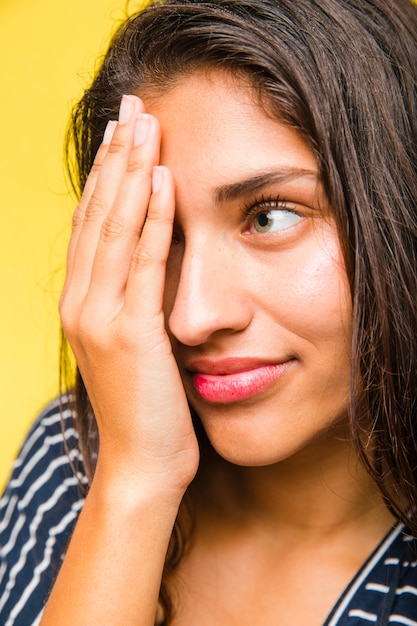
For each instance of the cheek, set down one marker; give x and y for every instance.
(312, 292)
(323, 287)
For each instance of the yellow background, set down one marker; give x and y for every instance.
(48, 51)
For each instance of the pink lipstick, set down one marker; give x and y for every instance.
(235, 380)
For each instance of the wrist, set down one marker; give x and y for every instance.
(132, 492)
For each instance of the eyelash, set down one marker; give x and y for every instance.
(262, 204)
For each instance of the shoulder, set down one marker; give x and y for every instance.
(38, 511)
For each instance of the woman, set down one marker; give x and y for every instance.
(240, 299)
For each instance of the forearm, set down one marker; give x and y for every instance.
(113, 567)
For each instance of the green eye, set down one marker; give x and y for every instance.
(276, 219)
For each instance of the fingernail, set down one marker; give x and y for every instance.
(141, 129)
(108, 133)
(126, 108)
(157, 176)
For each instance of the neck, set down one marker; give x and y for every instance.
(318, 491)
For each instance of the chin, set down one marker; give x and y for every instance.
(251, 450)
(249, 442)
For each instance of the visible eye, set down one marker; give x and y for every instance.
(276, 219)
(270, 215)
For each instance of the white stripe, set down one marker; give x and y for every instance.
(3, 568)
(48, 420)
(391, 561)
(365, 572)
(37, 621)
(12, 539)
(36, 458)
(9, 512)
(61, 526)
(369, 617)
(44, 564)
(43, 421)
(377, 587)
(407, 589)
(43, 479)
(48, 443)
(57, 417)
(30, 441)
(34, 525)
(400, 619)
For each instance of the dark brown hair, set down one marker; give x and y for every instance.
(343, 73)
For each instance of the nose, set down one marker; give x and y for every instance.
(209, 296)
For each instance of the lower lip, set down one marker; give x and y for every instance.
(224, 389)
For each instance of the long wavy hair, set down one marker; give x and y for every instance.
(343, 73)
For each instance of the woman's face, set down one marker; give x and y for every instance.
(257, 302)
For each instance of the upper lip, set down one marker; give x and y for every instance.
(230, 365)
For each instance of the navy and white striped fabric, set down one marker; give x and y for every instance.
(37, 514)
(384, 591)
(44, 497)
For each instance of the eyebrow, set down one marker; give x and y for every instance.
(233, 191)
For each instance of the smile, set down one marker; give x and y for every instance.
(226, 386)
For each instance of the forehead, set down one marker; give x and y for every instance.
(215, 130)
(208, 101)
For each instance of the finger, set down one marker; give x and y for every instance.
(79, 212)
(123, 225)
(146, 280)
(109, 177)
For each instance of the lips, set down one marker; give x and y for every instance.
(235, 379)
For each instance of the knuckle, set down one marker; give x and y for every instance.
(142, 259)
(112, 228)
(95, 168)
(78, 218)
(84, 327)
(160, 220)
(67, 318)
(116, 145)
(95, 210)
(135, 166)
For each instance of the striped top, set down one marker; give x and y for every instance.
(44, 497)
(37, 514)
